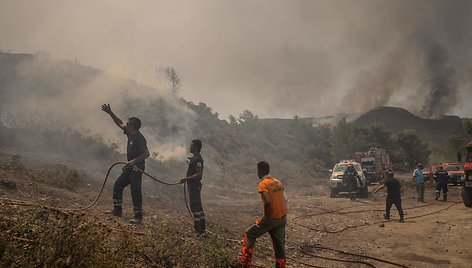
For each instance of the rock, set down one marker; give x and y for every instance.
(382, 225)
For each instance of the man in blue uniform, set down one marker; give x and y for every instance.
(137, 152)
(441, 176)
(194, 183)
(350, 178)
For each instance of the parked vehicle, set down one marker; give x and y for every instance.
(336, 184)
(467, 188)
(375, 162)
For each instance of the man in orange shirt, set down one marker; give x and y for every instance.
(273, 221)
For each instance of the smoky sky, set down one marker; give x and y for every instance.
(275, 58)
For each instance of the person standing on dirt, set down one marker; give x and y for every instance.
(194, 183)
(136, 152)
(393, 195)
(441, 176)
(350, 177)
(274, 219)
(419, 182)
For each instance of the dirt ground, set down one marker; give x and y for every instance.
(433, 234)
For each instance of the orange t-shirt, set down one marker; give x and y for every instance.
(276, 193)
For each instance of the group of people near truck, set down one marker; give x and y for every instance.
(271, 190)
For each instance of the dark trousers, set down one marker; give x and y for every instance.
(352, 188)
(195, 199)
(133, 179)
(276, 229)
(441, 186)
(388, 205)
(420, 192)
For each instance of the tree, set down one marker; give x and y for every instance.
(342, 141)
(411, 150)
(170, 78)
(232, 120)
(246, 116)
(467, 124)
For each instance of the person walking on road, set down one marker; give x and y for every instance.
(393, 195)
(350, 178)
(441, 176)
(274, 219)
(136, 152)
(194, 183)
(419, 182)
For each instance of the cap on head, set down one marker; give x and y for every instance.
(389, 173)
(420, 165)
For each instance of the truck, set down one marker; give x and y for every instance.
(375, 162)
(466, 192)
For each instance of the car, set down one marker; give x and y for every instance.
(336, 184)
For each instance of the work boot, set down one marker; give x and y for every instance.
(116, 211)
(401, 220)
(445, 197)
(386, 217)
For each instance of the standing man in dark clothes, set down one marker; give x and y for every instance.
(274, 220)
(393, 195)
(137, 152)
(350, 177)
(194, 183)
(441, 176)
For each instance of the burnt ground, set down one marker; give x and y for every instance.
(434, 233)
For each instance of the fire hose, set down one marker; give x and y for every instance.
(135, 169)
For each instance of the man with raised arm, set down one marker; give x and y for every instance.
(137, 152)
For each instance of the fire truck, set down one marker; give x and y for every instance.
(374, 163)
(467, 187)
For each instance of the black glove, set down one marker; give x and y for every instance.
(106, 108)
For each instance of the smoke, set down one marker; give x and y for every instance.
(420, 69)
(442, 82)
(44, 95)
(275, 58)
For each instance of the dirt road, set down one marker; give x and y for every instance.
(434, 234)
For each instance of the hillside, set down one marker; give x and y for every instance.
(56, 146)
(434, 130)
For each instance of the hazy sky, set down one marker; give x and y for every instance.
(275, 58)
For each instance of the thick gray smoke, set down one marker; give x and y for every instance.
(442, 81)
(276, 58)
(47, 96)
(425, 69)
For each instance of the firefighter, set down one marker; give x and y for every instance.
(194, 183)
(350, 178)
(137, 152)
(393, 195)
(418, 177)
(440, 177)
(274, 220)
